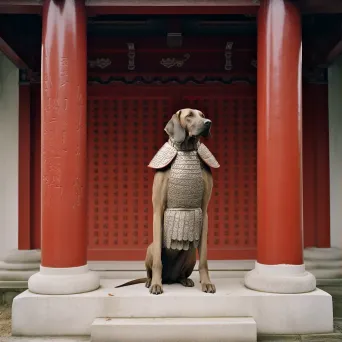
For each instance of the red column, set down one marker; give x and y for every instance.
(279, 134)
(63, 134)
(24, 169)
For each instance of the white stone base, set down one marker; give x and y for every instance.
(170, 329)
(63, 281)
(19, 265)
(74, 314)
(280, 279)
(16, 256)
(136, 269)
(324, 263)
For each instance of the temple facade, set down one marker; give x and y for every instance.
(86, 89)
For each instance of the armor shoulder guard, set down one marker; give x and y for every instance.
(207, 156)
(163, 157)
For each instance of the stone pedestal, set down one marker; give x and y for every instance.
(18, 267)
(15, 270)
(326, 265)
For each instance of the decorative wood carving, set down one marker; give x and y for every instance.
(172, 80)
(174, 62)
(228, 56)
(131, 56)
(101, 63)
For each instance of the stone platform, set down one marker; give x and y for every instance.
(62, 315)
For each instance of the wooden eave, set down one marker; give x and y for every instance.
(96, 7)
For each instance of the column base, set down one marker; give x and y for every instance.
(63, 281)
(19, 266)
(324, 263)
(280, 279)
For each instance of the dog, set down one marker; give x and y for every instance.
(180, 202)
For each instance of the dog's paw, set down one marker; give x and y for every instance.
(156, 289)
(148, 282)
(187, 282)
(208, 288)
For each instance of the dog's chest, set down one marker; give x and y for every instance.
(186, 184)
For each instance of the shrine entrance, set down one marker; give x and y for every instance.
(125, 130)
(135, 84)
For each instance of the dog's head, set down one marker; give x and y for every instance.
(188, 122)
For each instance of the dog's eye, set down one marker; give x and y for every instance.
(190, 115)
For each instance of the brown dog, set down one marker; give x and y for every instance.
(175, 264)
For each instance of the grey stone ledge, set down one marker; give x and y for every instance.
(23, 256)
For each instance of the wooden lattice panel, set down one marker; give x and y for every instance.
(232, 211)
(124, 134)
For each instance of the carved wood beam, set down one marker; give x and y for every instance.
(334, 53)
(170, 6)
(21, 6)
(12, 55)
(320, 6)
(20, 40)
(95, 7)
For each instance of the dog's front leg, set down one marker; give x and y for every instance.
(207, 285)
(159, 193)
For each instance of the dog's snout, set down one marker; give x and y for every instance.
(207, 123)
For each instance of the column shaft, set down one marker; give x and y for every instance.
(279, 196)
(64, 134)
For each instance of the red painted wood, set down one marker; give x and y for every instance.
(28, 7)
(125, 131)
(145, 7)
(35, 167)
(24, 168)
(64, 134)
(320, 92)
(310, 181)
(124, 134)
(232, 210)
(155, 44)
(316, 166)
(309, 166)
(279, 134)
(172, 8)
(7, 50)
(151, 51)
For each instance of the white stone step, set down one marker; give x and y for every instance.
(220, 329)
(56, 315)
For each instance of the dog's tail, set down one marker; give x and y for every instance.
(133, 282)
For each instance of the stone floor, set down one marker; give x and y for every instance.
(337, 336)
(5, 333)
(5, 321)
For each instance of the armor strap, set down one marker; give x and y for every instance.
(163, 157)
(207, 156)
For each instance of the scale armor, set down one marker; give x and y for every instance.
(183, 219)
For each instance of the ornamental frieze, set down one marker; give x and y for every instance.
(174, 62)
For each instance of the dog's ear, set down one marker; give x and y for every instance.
(174, 128)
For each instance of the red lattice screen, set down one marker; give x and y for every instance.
(232, 210)
(126, 130)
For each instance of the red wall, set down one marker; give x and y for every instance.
(315, 180)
